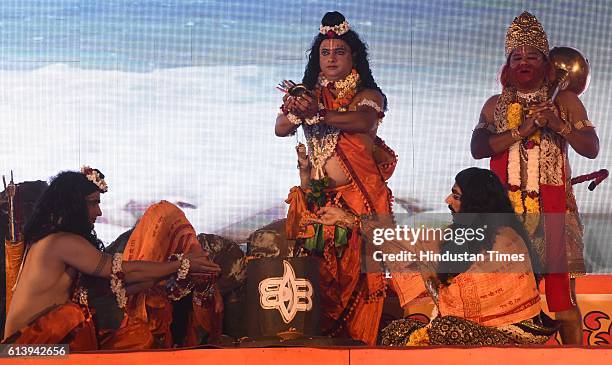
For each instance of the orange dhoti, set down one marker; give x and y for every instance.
(351, 301)
(69, 323)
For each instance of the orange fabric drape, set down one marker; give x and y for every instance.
(68, 323)
(491, 294)
(297, 208)
(162, 231)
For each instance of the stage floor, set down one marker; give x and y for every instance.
(340, 356)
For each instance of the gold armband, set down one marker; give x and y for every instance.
(566, 130)
(579, 124)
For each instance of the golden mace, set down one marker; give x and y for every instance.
(572, 70)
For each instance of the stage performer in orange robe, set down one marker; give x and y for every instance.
(480, 298)
(347, 166)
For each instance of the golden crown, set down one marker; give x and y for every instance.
(526, 30)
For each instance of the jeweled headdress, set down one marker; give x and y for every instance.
(526, 30)
(96, 177)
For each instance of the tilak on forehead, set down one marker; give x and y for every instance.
(526, 30)
(335, 44)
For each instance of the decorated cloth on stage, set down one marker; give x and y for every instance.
(162, 231)
(594, 296)
(451, 330)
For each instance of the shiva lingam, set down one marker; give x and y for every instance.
(572, 70)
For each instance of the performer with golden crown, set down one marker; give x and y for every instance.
(347, 166)
(526, 134)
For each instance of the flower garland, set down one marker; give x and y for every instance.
(347, 88)
(95, 177)
(183, 270)
(530, 203)
(321, 138)
(116, 282)
(334, 30)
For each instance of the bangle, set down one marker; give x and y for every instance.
(294, 119)
(116, 282)
(179, 287)
(567, 129)
(313, 120)
(516, 135)
(183, 269)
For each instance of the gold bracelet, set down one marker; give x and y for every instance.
(294, 119)
(566, 130)
(516, 135)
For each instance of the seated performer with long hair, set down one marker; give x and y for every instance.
(50, 305)
(347, 166)
(480, 300)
